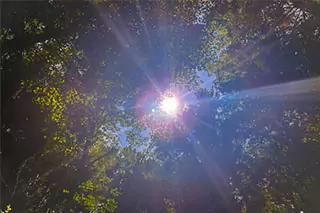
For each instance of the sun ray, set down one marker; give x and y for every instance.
(214, 172)
(311, 85)
(143, 22)
(125, 40)
(206, 124)
(309, 88)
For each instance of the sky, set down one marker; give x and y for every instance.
(206, 80)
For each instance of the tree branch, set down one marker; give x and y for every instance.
(102, 156)
(17, 178)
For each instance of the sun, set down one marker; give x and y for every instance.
(169, 105)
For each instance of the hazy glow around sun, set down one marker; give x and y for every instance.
(169, 105)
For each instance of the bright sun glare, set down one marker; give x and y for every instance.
(169, 105)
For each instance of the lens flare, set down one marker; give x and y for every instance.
(169, 105)
(166, 113)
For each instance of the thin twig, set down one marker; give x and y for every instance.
(5, 184)
(17, 178)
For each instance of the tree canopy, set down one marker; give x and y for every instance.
(81, 85)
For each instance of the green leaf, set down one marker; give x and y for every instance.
(66, 191)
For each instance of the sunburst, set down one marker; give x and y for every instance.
(169, 105)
